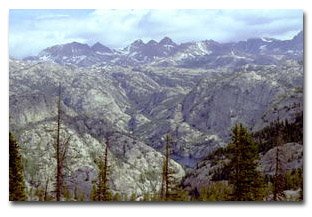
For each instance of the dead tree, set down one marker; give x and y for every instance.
(61, 151)
(169, 182)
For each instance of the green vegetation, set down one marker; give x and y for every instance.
(102, 192)
(170, 190)
(247, 181)
(216, 191)
(236, 165)
(288, 132)
(16, 178)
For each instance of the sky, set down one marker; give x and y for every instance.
(31, 31)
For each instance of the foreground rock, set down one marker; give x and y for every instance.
(134, 167)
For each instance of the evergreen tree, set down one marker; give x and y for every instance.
(146, 197)
(67, 195)
(117, 197)
(203, 194)
(93, 195)
(294, 180)
(279, 163)
(169, 186)
(81, 197)
(247, 181)
(103, 193)
(216, 191)
(16, 182)
(132, 197)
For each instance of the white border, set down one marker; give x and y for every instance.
(212, 209)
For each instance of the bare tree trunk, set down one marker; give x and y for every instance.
(276, 178)
(46, 190)
(58, 159)
(164, 194)
(167, 168)
(105, 174)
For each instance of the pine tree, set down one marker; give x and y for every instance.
(117, 197)
(146, 197)
(132, 197)
(16, 183)
(93, 195)
(247, 181)
(279, 173)
(203, 194)
(103, 193)
(216, 191)
(169, 185)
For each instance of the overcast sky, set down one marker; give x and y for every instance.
(33, 30)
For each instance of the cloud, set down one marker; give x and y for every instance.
(33, 30)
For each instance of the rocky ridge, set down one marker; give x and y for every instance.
(203, 54)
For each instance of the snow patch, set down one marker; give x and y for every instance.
(236, 56)
(266, 40)
(103, 53)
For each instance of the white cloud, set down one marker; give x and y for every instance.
(118, 28)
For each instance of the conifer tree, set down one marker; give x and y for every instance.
(132, 197)
(16, 182)
(279, 163)
(117, 197)
(203, 194)
(169, 185)
(103, 193)
(93, 195)
(216, 191)
(247, 181)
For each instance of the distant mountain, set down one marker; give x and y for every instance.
(204, 54)
(101, 49)
(75, 53)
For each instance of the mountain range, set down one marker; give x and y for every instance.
(203, 54)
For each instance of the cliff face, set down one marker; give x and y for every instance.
(248, 96)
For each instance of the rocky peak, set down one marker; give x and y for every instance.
(77, 45)
(152, 43)
(298, 37)
(70, 49)
(167, 41)
(98, 47)
(137, 43)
